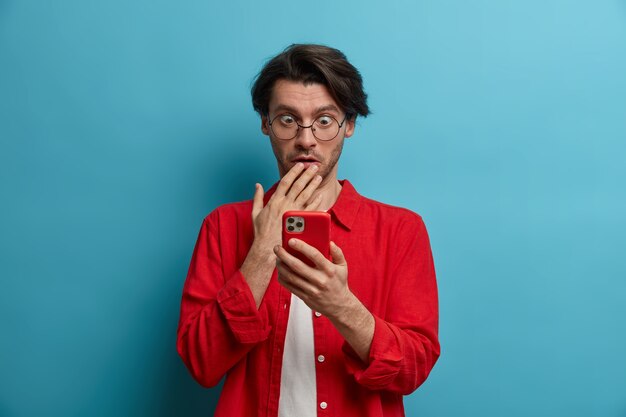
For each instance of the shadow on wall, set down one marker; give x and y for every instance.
(229, 175)
(179, 393)
(4, 10)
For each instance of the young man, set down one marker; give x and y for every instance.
(348, 337)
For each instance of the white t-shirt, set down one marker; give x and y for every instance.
(298, 392)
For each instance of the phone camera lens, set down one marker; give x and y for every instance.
(299, 224)
(290, 228)
(290, 220)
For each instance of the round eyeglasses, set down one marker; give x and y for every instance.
(324, 128)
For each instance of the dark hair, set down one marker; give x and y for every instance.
(310, 64)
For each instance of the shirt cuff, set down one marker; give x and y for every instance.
(385, 358)
(248, 324)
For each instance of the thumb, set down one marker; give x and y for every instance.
(337, 254)
(257, 202)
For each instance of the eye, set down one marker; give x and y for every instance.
(324, 121)
(287, 119)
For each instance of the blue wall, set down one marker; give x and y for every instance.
(122, 124)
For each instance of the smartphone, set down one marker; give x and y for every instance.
(312, 227)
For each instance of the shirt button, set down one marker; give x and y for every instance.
(318, 314)
(321, 358)
(285, 307)
(323, 405)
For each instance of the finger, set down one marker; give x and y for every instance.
(308, 190)
(310, 252)
(288, 179)
(295, 283)
(301, 294)
(293, 263)
(307, 177)
(315, 204)
(257, 202)
(337, 254)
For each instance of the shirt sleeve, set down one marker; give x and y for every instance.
(405, 345)
(219, 321)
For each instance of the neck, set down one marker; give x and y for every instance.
(329, 189)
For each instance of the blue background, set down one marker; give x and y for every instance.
(503, 123)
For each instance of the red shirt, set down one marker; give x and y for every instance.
(390, 269)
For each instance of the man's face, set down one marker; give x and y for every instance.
(306, 103)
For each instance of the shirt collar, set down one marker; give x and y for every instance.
(345, 208)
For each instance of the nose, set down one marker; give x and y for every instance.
(305, 138)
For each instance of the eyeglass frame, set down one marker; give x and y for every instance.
(270, 121)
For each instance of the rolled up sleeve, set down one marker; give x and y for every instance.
(219, 321)
(405, 344)
(238, 307)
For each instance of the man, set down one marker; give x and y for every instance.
(348, 337)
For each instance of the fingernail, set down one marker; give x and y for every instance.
(314, 167)
(299, 164)
(292, 242)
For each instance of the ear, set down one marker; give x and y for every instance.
(265, 128)
(350, 127)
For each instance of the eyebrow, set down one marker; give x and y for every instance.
(327, 107)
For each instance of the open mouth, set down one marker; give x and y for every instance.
(305, 159)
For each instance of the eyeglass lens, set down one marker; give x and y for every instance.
(285, 127)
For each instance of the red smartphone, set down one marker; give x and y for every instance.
(312, 227)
